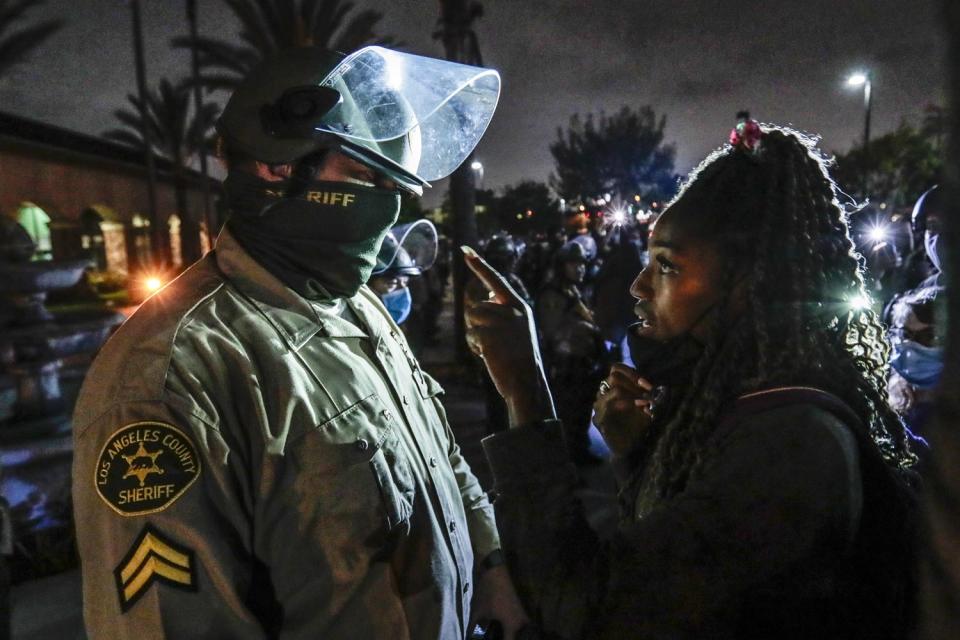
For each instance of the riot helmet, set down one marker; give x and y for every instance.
(927, 219)
(412, 118)
(572, 251)
(502, 253)
(408, 250)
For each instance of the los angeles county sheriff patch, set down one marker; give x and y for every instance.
(145, 467)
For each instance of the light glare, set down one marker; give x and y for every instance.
(857, 80)
(878, 233)
(859, 302)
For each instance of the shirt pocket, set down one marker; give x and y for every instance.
(353, 474)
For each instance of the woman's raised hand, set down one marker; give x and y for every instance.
(501, 331)
(622, 409)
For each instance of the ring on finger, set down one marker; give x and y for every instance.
(604, 387)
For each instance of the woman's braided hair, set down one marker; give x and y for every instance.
(777, 219)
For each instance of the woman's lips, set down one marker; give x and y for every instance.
(643, 315)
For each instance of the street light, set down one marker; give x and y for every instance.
(477, 167)
(862, 79)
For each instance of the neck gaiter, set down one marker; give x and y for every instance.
(320, 239)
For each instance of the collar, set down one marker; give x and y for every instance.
(294, 317)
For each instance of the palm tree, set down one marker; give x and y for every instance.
(16, 45)
(268, 26)
(176, 136)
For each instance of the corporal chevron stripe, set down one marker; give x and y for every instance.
(153, 558)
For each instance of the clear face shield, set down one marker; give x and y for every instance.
(409, 249)
(413, 117)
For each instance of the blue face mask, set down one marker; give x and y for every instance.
(398, 304)
(919, 365)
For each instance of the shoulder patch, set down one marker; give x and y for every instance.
(144, 467)
(153, 558)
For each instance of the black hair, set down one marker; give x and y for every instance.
(775, 215)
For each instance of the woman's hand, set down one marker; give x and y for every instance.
(501, 331)
(622, 409)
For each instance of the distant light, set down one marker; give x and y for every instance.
(878, 233)
(654, 205)
(859, 302)
(619, 217)
(519, 216)
(601, 202)
(153, 284)
(607, 197)
(529, 213)
(857, 80)
(636, 198)
(476, 165)
(883, 205)
(583, 208)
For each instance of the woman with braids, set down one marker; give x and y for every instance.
(765, 481)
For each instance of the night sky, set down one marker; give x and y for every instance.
(697, 61)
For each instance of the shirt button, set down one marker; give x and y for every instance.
(386, 414)
(453, 526)
(362, 444)
(433, 462)
(406, 401)
(466, 587)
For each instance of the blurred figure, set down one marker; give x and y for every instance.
(503, 254)
(916, 327)
(502, 251)
(613, 302)
(927, 221)
(572, 346)
(535, 262)
(407, 252)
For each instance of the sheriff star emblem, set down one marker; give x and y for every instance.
(154, 557)
(144, 467)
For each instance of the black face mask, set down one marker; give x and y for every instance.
(320, 238)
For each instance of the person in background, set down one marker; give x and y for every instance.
(915, 318)
(408, 251)
(612, 300)
(572, 345)
(504, 255)
(772, 497)
(501, 250)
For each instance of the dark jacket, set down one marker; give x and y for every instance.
(784, 533)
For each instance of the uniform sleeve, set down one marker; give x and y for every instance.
(769, 497)
(480, 516)
(163, 527)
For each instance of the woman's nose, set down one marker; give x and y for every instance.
(639, 289)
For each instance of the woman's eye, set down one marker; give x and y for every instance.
(665, 266)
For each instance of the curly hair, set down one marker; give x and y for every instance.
(776, 217)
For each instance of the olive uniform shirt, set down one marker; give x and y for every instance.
(250, 464)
